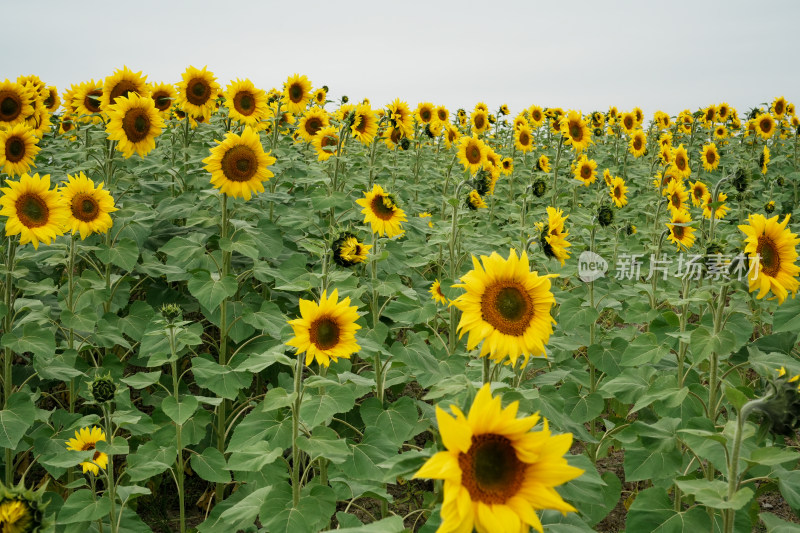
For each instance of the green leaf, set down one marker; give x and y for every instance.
(789, 485)
(124, 254)
(319, 408)
(150, 460)
(653, 511)
(19, 415)
(32, 339)
(776, 525)
(61, 366)
(644, 350)
(580, 408)
(129, 492)
(703, 343)
(393, 524)
(210, 291)
(787, 317)
(324, 442)
(221, 380)
(773, 456)
(254, 458)
(141, 380)
(210, 465)
(119, 446)
(397, 423)
(714, 493)
(643, 465)
(179, 412)
(81, 506)
(246, 510)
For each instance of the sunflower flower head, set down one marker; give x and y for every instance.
(18, 149)
(87, 439)
(22, 510)
(497, 472)
(436, 293)
(381, 212)
(348, 250)
(475, 200)
(238, 165)
(35, 212)
(326, 330)
(89, 206)
(774, 247)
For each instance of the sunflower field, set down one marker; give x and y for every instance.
(230, 309)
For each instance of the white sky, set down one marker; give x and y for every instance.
(582, 54)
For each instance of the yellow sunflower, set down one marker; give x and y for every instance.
(575, 131)
(442, 115)
(320, 96)
(723, 111)
(296, 93)
(35, 213)
(508, 165)
(765, 125)
(17, 516)
(677, 196)
(681, 235)
(719, 211)
(479, 119)
(238, 165)
(86, 100)
(618, 191)
(326, 142)
(523, 138)
(400, 117)
(638, 143)
(779, 107)
(87, 439)
(763, 160)
(472, 153)
(382, 212)
(680, 162)
(628, 122)
(475, 200)
(197, 92)
(89, 206)
(245, 102)
(349, 251)
(710, 157)
(536, 115)
(39, 122)
(18, 149)
(585, 170)
(52, 101)
(424, 113)
(451, 135)
(506, 307)
(543, 163)
(775, 246)
(436, 293)
(553, 237)
(134, 122)
(497, 472)
(16, 103)
(720, 132)
(709, 114)
(312, 122)
(365, 124)
(662, 120)
(163, 94)
(698, 192)
(123, 83)
(326, 330)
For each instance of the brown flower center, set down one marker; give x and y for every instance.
(711, 156)
(490, 470)
(324, 333)
(84, 207)
(198, 91)
(296, 93)
(123, 88)
(15, 149)
(162, 100)
(10, 106)
(524, 138)
(765, 125)
(473, 153)
(575, 131)
(136, 124)
(617, 192)
(244, 103)
(507, 307)
(92, 101)
(637, 143)
(769, 257)
(328, 143)
(676, 200)
(677, 231)
(382, 207)
(442, 115)
(680, 162)
(480, 122)
(239, 164)
(425, 114)
(313, 125)
(32, 210)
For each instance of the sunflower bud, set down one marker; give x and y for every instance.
(492, 119)
(769, 207)
(428, 131)
(539, 187)
(630, 229)
(405, 144)
(597, 132)
(325, 88)
(103, 388)
(780, 181)
(171, 312)
(605, 215)
(345, 99)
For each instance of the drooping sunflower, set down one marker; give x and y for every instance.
(35, 213)
(479, 119)
(618, 191)
(238, 165)
(775, 246)
(506, 307)
(326, 330)
(451, 135)
(708, 115)
(123, 83)
(312, 122)
(709, 156)
(39, 122)
(472, 153)
(197, 92)
(382, 212)
(680, 161)
(52, 101)
(552, 235)
(679, 234)
(400, 117)
(497, 472)
(765, 125)
(134, 122)
(436, 293)
(508, 165)
(163, 94)
(677, 196)
(475, 200)
(87, 99)
(16, 103)
(349, 251)
(543, 163)
(638, 143)
(585, 170)
(575, 131)
(296, 93)
(87, 439)
(365, 124)
(246, 103)
(763, 161)
(89, 206)
(18, 149)
(523, 138)
(698, 192)
(17, 516)
(326, 142)
(719, 211)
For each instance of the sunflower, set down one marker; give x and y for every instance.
(472, 153)
(779, 107)
(424, 113)
(238, 165)
(66, 124)
(536, 115)
(552, 237)
(710, 157)
(698, 192)
(520, 121)
(400, 117)
(628, 122)
(197, 93)
(89, 206)
(775, 246)
(39, 122)
(16, 103)
(382, 213)
(763, 161)
(638, 143)
(575, 131)
(441, 115)
(496, 471)
(326, 141)
(296, 93)
(86, 99)
(765, 125)
(17, 516)
(618, 191)
(479, 119)
(123, 83)
(349, 251)
(312, 122)
(51, 100)
(246, 103)
(18, 149)
(523, 138)
(135, 123)
(436, 293)
(677, 196)
(392, 137)
(34, 211)
(451, 136)
(508, 165)
(320, 96)
(720, 132)
(87, 439)
(585, 170)
(709, 114)
(326, 330)
(723, 111)
(543, 163)
(679, 234)
(662, 120)
(506, 307)
(719, 211)
(475, 200)
(163, 94)
(365, 124)
(680, 162)
(481, 106)
(607, 177)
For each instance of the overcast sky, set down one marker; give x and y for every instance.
(584, 55)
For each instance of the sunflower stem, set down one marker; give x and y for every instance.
(555, 169)
(223, 340)
(179, 464)
(8, 354)
(298, 391)
(487, 369)
(112, 489)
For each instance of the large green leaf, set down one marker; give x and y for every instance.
(222, 380)
(15, 419)
(210, 289)
(653, 511)
(179, 411)
(83, 506)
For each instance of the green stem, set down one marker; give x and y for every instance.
(713, 384)
(111, 489)
(733, 464)
(8, 354)
(223, 340)
(298, 384)
(179, 465)
(555, 169)
(452, 249)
